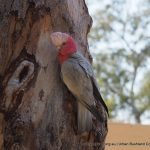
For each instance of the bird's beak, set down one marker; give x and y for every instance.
(58, 47)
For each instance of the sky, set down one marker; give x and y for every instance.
(130, 8)
(94, 5)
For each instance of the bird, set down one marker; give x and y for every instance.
(78, 76)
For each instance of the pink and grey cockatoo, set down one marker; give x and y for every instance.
(77, 74)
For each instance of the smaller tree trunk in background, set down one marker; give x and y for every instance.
(37, 111)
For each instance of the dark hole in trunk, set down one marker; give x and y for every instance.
(23, 73)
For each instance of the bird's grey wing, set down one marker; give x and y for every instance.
(97, 94)
(86, 66)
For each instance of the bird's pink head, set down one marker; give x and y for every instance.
(65, 44)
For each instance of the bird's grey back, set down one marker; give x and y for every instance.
(83, 62)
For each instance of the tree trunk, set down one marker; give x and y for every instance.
(36, 110)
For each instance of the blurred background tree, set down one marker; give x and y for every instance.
(120, 43)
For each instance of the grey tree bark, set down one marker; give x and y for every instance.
(36, 110)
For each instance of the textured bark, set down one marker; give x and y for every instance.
(36, 110)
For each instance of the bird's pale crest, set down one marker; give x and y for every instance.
(59, 38)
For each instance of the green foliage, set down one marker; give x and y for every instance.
(122, 63)
(145, 90)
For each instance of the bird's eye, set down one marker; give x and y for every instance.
(63, 43)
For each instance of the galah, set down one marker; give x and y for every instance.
(78, 76)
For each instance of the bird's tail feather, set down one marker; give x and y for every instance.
(84, 118)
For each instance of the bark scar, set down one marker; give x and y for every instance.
(17, 82)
